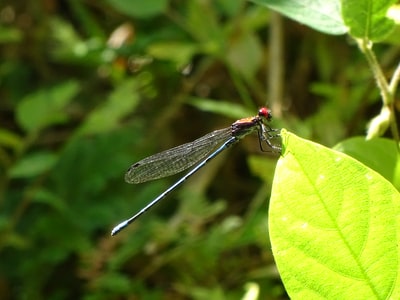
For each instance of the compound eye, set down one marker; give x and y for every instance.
(265, 113)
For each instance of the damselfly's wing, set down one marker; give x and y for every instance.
(176, 159)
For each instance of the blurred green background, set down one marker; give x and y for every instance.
(89, 87)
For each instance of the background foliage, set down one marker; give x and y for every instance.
(88, 87)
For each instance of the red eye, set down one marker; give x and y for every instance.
(264, 112)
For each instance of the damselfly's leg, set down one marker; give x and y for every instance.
(266, 134)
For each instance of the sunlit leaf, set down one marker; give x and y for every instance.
(333, 225)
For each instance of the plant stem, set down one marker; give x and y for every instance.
(395, 80)
(387, 92)
(366, 47)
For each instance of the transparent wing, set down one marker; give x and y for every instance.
(176, 159)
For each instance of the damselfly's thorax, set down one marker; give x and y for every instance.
(245, 126)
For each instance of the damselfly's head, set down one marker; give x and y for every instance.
(265, 113)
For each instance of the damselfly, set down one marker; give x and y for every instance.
(182, 157)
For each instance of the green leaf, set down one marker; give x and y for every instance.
(178, 52)
(229, 7)
(322, 15)
(33, 165)
(366, 19)
(225, 108)
(379, 154)
(120, 103)
(46, 106)
(140, 9)
(245, 54)
(10, 139)
(10, 35)
(203, 23)
(262, 167)
(45, 196)
(114, 282)
(334, 225)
